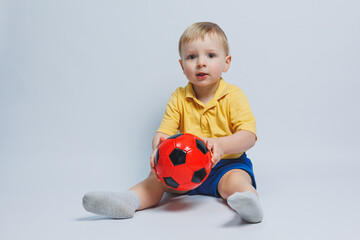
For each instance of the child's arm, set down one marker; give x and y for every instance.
(238, 142)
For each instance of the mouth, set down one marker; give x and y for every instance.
(201, 75)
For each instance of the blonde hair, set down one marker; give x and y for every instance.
(199, 30)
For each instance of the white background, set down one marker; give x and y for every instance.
(84, 84)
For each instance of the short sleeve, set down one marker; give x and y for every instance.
(170, 122)
(241, 116)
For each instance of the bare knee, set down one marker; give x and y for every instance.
(235, 180)
(150, 191)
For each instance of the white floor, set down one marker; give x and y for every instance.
(307, 202)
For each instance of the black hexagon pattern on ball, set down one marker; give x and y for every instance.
(198, 176)
(177, 156)
(201, 146)
(171, 182)
(175, 136)
(157, 157)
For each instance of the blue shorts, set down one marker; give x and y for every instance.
(209, 186)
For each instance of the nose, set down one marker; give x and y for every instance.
(201, 62)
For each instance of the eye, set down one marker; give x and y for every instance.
(191, 57)
(211, 55)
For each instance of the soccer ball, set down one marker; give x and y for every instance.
(183, 161)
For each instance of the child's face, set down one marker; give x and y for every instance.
(204, 60)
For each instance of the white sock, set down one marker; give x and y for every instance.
(247, 204)
(112, 204)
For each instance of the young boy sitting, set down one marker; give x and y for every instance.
(207, 107)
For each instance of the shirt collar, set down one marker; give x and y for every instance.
(222, 90)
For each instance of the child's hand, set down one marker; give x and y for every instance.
(152, 157)
(215, 148)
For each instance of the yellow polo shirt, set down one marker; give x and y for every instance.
(226, 113)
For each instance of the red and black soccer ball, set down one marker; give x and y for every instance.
(183, 161)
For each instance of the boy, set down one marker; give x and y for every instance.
(207, 107)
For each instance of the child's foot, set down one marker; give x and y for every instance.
(247, 204)
(112, 204)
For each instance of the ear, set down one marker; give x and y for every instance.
(181, 64)
(227, 63)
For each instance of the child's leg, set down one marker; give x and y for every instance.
(150, 191)
(124, 204)
(236, 187)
